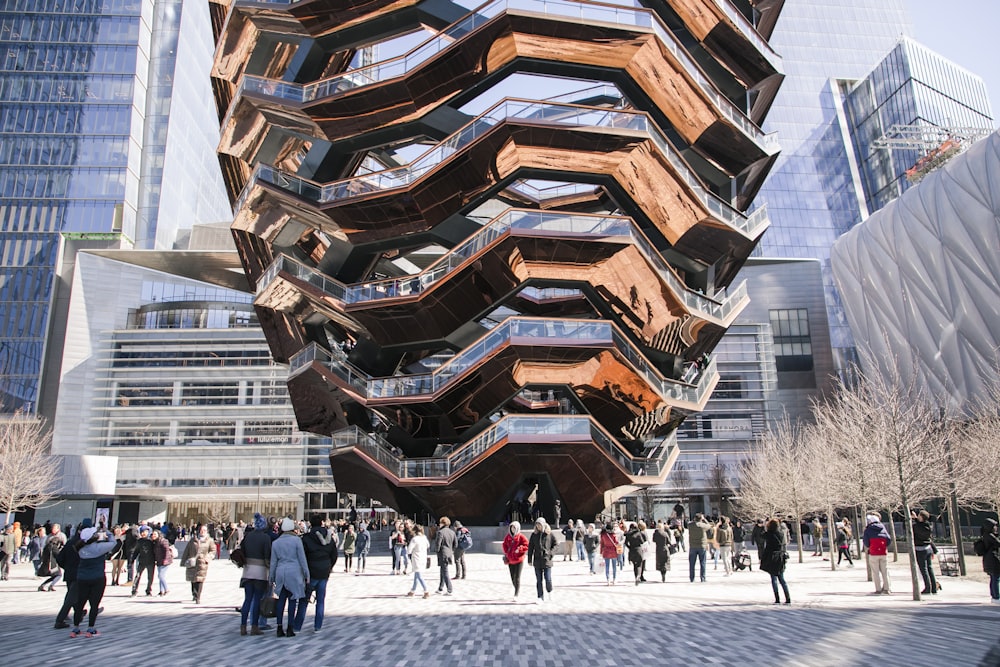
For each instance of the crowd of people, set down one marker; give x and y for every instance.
(286, 564)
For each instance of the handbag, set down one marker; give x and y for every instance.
(619, 549)
(191, 562)
(506, 561)
(269, 606)
(237, 558)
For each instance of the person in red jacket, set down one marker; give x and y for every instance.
(610, 550)
(876, 540)
(515, 546)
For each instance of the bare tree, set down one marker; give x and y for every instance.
(898, 423)
(682, 485)
(773, 481)
(647, 503)
(28, 473)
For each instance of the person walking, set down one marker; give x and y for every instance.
(444, 546)
(698, 539)
(663, 539)
(757, 536)
(321, 555)
(991, 557)
(844, 542)
(515, 548)
(773, 559)
(8, 548)
(68, 561)
(724, 538)
(924, 550)
(591, 543)
(145, 561)
(541, 547)
(256, 547)
(635, 540)
(817, 536)
(463, 542)
(199, 551)
(94, 546)
(569, 538)
(610, 549)
(581, 532)
(348, 546)
(288, 575)
(163, 551)
(398, 544)
(417, 551)
(118, 558)
(876, 540)
(361, 546)
(739, 535)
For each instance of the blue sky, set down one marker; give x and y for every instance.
(965, 32)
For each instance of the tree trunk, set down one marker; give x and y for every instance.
(910, 552)
(798, 538)
(858, 530)
(892, 530)
(833, 537)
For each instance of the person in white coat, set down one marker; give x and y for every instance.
(288, 574)
(417, 551)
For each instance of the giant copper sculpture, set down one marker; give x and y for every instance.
(478, 302)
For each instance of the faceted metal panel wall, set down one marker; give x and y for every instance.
(483, 295)
(920, 279)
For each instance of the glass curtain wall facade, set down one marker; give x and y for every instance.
(179, 384)
(76, 87)
(810, 194)
(911, 86)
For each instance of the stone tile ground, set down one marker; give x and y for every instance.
(726, 621)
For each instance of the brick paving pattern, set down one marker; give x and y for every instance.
(369, 622)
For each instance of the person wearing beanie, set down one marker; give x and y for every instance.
(321, 554)
(515, 548)
(876, 540)
(288, 575)
(197, 554)
(93, 547)
(256, 547)
(541, 547)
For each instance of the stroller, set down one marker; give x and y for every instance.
(742, 562)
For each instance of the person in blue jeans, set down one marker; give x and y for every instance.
(321, 555)
(698, 539)
(256, 548)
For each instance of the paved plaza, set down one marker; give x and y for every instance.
(369, 622)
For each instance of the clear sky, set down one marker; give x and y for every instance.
(965, 32)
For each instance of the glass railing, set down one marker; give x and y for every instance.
(590, 11)
(540, 429)
(506, 110)
(578, 225)
(553, 332)
(750, 32)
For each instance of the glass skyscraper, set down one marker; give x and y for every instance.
(86, 150)
(841, 92)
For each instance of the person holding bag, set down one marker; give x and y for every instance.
(417, 551)
(256, 548)
(773, 560)
(198, 552)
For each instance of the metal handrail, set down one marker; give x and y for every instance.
(577, 225)
(505, 110)
(464, 456)
(561, 332)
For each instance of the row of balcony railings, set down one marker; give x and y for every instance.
(551, 429)
(509, 109)
(513, 330)
(601, 227)
(578, 11)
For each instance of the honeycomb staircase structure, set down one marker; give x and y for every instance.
(495, 243)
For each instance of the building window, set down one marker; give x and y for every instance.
(792, 345)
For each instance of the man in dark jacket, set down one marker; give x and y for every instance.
(68, 560)
(444, 545)
(923, 550)
(541, 546)
(145, 559)
(131, 538)
(321, 555)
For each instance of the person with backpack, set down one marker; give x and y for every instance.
(988, 546)
(463, 544)
(321, 555)
(773, 559)
(876, 540)
(49, 562)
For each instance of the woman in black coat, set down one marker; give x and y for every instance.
(635, 540)
(991, 558)
(773, 560)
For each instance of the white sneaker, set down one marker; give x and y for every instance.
(994, 601)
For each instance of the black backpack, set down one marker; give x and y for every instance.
(979, 546)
